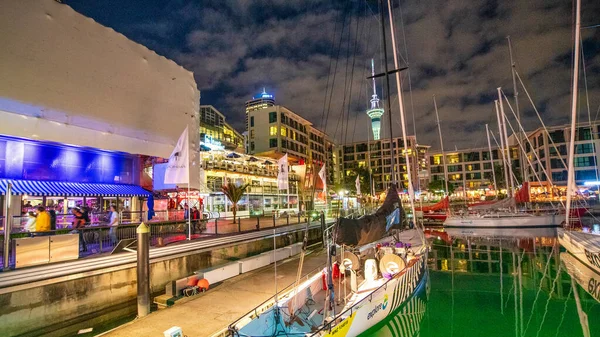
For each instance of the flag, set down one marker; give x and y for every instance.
(323, 179)
(178, 170)
(357, 184)
(282, 175)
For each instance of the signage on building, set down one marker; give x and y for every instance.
(211, 143)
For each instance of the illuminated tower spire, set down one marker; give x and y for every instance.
(375, 112)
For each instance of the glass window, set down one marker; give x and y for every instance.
(557, 136)
(251, 120)
(273, 131)
(251, 146)
(584, 161)
(584, 148)
(272, 117)
(583, 134)
(273, 142)
(283, 131)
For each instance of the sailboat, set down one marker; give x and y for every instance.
(374, 276)
(500, 215)
(584, 246)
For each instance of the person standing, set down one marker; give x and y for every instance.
(42, 223)
(113, 222)
(78, 225)
(186, 211)
(52, 214)
(31, 219)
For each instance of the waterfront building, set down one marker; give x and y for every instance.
(550, 148)
(378, 156)
(260, 101)
(215, 132)
(276, 130)
(84, 110)
(471, 169)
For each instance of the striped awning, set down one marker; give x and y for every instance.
(69, 189)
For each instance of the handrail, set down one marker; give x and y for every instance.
(370, 297)
(310, 274)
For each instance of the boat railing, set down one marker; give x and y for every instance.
(264, 306)
(348, 312)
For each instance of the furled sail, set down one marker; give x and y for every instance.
(372, 227)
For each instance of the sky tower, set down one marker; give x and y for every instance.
(375, 112)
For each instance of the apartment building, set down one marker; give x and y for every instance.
(377, 155)
(548, 151)
(471, 168)
(216, 132)
(276, 130)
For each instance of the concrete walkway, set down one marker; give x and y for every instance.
(208, 313)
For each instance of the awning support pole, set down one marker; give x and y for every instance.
(7, 226)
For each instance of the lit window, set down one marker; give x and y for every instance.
(283, 131)
(273, 131)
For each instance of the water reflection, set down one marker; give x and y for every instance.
(501, 283)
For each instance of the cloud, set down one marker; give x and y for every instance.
(457, 50)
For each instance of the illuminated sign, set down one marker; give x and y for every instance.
(211, 143)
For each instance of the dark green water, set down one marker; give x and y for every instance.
(472, 294)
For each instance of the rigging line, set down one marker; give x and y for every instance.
(337, 58)
(328, 74)
(540, 118)
(341, 119)
(503, 160)
(356, 35)
(588, 27)
(587, 99)
(325, 116)
(548, 301)
(531, 145)
(539, 289)
(412, 105)
(562, 318)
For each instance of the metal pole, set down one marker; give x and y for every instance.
(437, 117)
(143, 270)
(571, 170)
(524, 173)
(487, 132)
(502, 149)
(7, 226)
(387, 82)
(508, 154)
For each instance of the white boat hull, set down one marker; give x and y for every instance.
(381, 303)
(584, 246)
(550, 220)
(587, 278)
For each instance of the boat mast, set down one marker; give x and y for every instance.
(437, 117)
(571, 172)
(487, 133)
(502, 149)
(508, 154)
(387, 83)
(524, 173)
(411, 191)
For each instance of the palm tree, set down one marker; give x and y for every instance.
(234, 193)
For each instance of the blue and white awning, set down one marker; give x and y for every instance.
(68, 189)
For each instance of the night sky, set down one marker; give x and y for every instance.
(456, 50)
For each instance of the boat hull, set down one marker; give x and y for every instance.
(584, 246)
(381, 303)
(551, 220)
(586, 277)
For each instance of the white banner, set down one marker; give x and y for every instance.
(282, 175)
(357, 184)
(322, 175)
(178, 170)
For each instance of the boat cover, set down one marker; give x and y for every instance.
(372, 227)
(442, 204)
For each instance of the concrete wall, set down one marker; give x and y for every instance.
(63, 308)
(68, 79)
